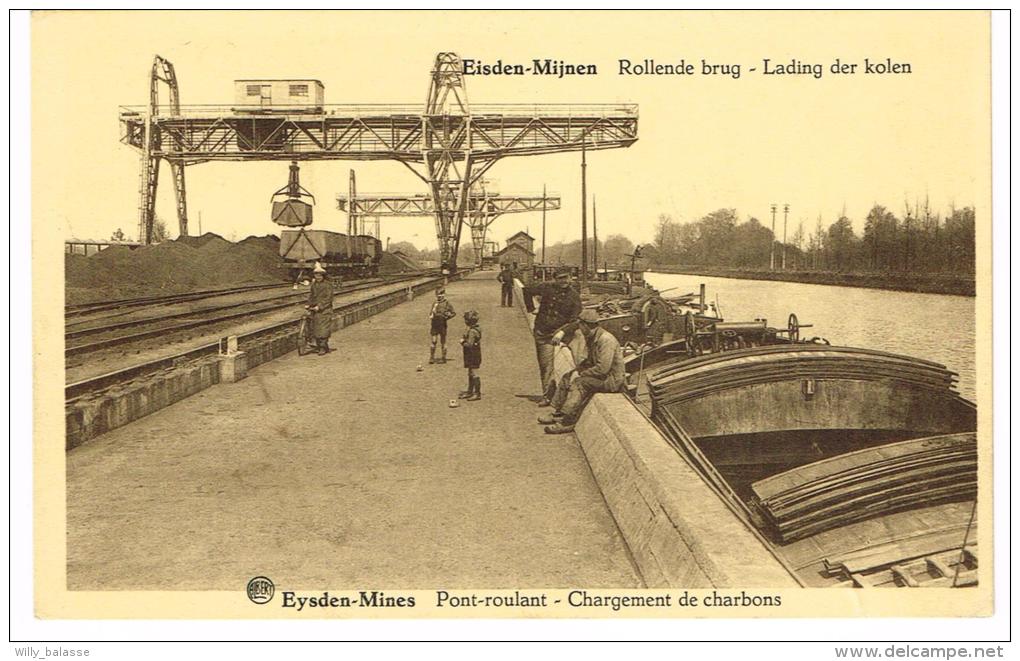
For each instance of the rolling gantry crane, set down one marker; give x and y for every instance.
(448, 144)
(483, 207)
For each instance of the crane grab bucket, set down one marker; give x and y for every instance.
(289, 206)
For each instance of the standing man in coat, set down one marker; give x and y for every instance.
(320, 303)
(601, 371)
(560, 305)
(506, 281)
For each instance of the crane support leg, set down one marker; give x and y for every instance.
(148, 182)
(162, 71)
(182, 199)
(478, 227)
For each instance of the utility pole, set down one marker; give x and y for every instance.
(352, 219)
(786, 212)
(584, 219)
(200, 223)
(595, 234)
(772, 243)
(543, 223)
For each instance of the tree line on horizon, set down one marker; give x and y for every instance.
(613, 252)
(922, 241)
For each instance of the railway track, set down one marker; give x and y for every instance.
(95, 384)
(88, 326)
(81, 309)
(131, 331)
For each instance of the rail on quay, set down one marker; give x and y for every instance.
(99, 404)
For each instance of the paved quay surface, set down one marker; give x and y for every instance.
(349, 471)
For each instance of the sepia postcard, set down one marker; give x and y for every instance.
(512, 314)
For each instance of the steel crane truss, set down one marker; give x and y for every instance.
(481, 210)
(384, 133)
(421, 205)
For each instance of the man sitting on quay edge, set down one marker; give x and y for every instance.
(560, 305)
(601, 371)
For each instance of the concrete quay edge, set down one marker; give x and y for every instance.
(679, 532)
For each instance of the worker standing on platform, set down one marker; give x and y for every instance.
(440, 313)
(506, 280)
(320, 304)
(601, 371)
(472, 343)
(560, 305)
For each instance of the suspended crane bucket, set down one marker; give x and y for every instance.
(290, 207)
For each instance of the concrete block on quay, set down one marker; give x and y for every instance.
(680, 533)
(233, 367)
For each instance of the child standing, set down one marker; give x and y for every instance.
(440, 313)
(472, 343)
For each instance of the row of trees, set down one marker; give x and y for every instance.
(612, 252)
(465, 254)
(922, 241)
(159, 232)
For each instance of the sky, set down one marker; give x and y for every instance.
(705, 141)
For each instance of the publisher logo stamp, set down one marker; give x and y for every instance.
(261, 590)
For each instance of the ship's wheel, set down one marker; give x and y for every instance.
(793, 328)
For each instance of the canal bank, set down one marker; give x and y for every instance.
(919, 283)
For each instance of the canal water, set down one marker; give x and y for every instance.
(930, 326)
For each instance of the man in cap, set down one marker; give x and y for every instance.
(601, 371)
(320, 303)
(560, 305)
(506, 281)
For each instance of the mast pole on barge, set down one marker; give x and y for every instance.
(543, 225)
(786, 213)
(584, 218)
(772, 244)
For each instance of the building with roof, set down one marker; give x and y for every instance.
(524, 240)
(519, 258)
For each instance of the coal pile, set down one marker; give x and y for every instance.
(187, 264)
(391, 263)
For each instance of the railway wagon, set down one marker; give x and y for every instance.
(339, 254)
